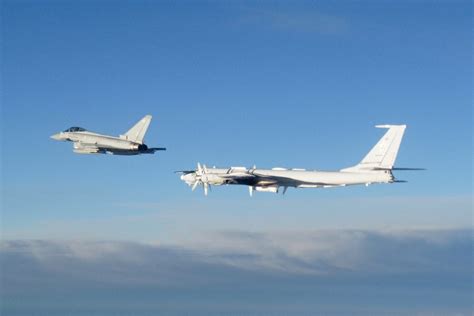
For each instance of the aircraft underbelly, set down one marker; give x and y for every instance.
(106, 143)
(120, 145)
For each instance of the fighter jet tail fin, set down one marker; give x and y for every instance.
(383, 155)
(137, 132)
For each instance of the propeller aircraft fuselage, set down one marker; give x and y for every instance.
(376, 167)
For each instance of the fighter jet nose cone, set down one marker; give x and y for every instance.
(56, 137)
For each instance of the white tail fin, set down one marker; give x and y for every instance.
(137, 132)
(384, 153)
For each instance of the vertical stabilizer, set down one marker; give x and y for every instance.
(384, 153)
(137, 132)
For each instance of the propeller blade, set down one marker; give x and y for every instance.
(195, 185)
(251, 190)
(251, 171)
(199, 168)
(204, 168)
(206, 187)
(284, 190)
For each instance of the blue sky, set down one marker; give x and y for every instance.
(232, 84)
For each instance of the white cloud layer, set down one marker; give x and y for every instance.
(332, 272)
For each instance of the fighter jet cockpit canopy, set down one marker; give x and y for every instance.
(74, 129)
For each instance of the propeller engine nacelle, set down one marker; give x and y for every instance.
(212, 179)
(202, 176)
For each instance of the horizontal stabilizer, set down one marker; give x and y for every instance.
(185, 171)
(401, 169)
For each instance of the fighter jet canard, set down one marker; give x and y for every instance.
(376, 167)
(130, 143)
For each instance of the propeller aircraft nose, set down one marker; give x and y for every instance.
(188, 178)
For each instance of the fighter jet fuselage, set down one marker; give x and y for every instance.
(87, 142)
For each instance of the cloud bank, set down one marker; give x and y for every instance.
(322, 272)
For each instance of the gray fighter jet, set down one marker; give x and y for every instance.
(130, 143)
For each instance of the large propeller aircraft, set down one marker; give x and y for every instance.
(376, 167)
(130, 143)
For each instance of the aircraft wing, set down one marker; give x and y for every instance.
(255, 179)
(274, 180)
(262, 180)
(238, 178)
